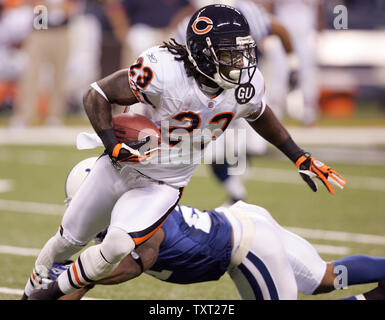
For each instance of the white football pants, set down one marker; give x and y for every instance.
(277, 263)
(125, 199)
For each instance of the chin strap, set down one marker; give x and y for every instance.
(217, 78)
(222, 82)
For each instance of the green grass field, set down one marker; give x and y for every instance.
(38, 173)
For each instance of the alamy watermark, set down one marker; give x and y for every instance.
(341, 19)
(341, 279)
(179, 146)
(40, 20)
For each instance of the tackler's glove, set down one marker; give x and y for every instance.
(310, 168)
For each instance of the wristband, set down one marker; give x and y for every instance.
(302, 159)
(109, 139)
(291, 150)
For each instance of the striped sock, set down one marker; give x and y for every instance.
(35, 280)
(89, 267)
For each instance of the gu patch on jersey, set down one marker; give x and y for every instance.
(244, 93)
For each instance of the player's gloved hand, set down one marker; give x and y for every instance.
(122, 152)
(130, 151)
(310, 168)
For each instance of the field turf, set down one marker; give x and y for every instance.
(37, 174)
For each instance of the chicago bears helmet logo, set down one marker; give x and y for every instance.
(205, 26)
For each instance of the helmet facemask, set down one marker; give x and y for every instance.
(234, 65)
(220, 47)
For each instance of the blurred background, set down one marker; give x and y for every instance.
(44, 70)
(324, 68)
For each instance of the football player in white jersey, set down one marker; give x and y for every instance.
(265, 260)
(193, 91)
(262, 25)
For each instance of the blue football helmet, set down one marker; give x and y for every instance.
(220, 46)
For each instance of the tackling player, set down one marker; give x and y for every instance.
(264, 260)
(192, 89)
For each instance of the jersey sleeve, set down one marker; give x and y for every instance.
(257, 101)
(146, 77)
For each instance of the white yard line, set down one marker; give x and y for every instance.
(334, 250)
(33, 252)
(330, 136)
(19, 251)
(338, 236)
(41, 135)
(6, 185)
(292, 177)
(341, 136)
(19, 292)
(55, 209)
(31, 207)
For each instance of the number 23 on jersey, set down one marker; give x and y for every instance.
(191, 120)
(144, 74)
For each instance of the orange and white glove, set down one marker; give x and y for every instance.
(129, 151)
(310, 168)
(125, 151)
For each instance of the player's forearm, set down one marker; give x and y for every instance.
(113, 89)
(126, 270)
(271, 129)
(98, 110)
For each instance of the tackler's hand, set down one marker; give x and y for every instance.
(310, 168)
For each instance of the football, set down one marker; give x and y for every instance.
(129, 127)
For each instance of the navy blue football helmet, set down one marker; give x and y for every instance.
(220, 46)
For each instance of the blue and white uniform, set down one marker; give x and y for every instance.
(265, 260)
(196, 247)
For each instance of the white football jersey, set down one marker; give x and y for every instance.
(189, 119)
